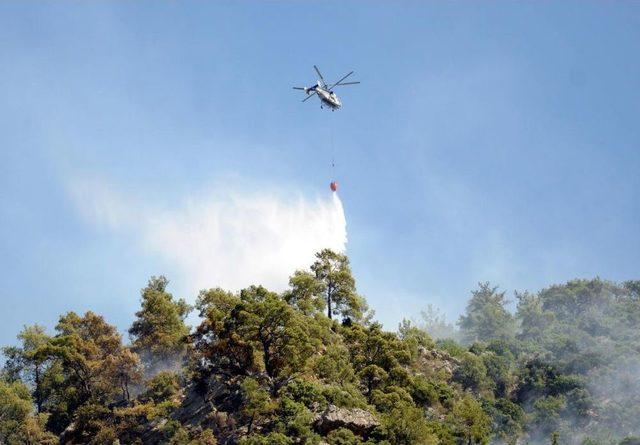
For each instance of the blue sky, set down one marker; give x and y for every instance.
(488, 141)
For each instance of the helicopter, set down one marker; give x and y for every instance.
(324, 91)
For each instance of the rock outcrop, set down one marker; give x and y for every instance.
(215, 405)
(210, 405)
(433, 362)
(357, 420)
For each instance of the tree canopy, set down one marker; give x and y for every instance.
(309, 366)
(159, 332)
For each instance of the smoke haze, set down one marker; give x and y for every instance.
(227, 238)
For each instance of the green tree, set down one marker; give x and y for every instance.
(415, 337)
(333, 366)
(371, 345)
(163, 386)
(281, 333)
(215, 303)
(18, 424)
(508, 420)
(406, 425)
(259, 325)
(343, 436)
(294, 419)
(257, 402)
(472, 424)
(96, 369)
(338, 286)
(533, 319)
(306, 293)
(498, 371)
(471, 373)
(28, 363)
(486, 316)
(372, 376)
(159, 333)
(217, 344)
(547, 415)
(125, 369)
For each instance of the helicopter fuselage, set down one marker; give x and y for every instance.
(328, 98)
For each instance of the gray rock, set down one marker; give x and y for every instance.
(357, 420)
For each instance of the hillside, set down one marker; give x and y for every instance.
(311, 366)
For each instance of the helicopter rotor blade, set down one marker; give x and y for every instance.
(338, 82)
(319, 74)
(299, 88)
(345, 83)
(309, 96)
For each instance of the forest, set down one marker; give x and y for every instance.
(311, 365)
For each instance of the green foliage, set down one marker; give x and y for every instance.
(260, 332)
(507, 417)
(91, 424)
(343, 436)
(179, 437)
(414, 337)
(371, 377)
(451, 346)
(206, 437)
(470, 421)
(334, 278)
(346, 395)
(334, 365)
(444, 431)
(28, 363)
(95, 368)
(471, 373)
(583, 331)
(269, 439)
(257, 402)
(18, 424)
(214, 303)
(498, 371)
(307, 292)
(263, 366)
(164, 386)
(307, 393)
(294, 419)
(406, 424)
(391, 398)
(423, 392)
(534, 320)
(548, 413)
(486, 316)
(159, 333)
(372, 346)
(446, 394)
(282, 335)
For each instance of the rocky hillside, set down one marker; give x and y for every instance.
(310, 366)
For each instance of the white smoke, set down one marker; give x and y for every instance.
(223, 238)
